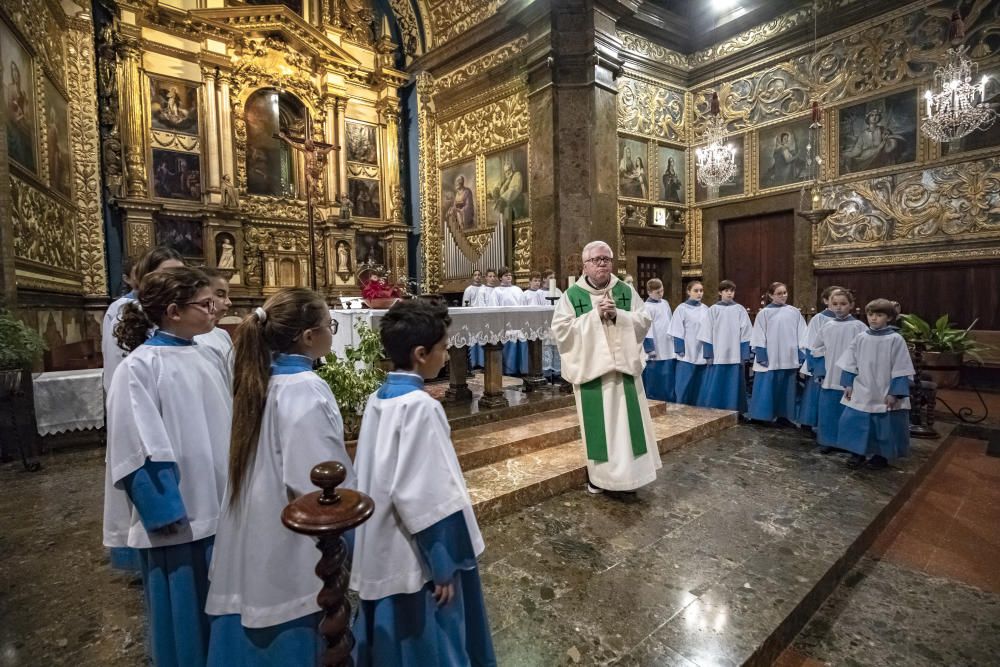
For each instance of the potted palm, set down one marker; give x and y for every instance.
(353, 379)
(944, 347)
(20, 348)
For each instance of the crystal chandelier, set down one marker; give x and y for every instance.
(957, 107)
(717, 160)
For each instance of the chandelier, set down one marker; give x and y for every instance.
(717, 160)
(957, 106)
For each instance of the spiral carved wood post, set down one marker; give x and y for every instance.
(327, 515)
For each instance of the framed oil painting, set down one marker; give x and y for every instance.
(181, 234)
(783, 157)
(633, 172)
(364, 195)
(57, 133)
(734, 186)
(458, 197)
(176, 175)
(173, 106)
(671, 174)
(878, 133)
(507, 185)
(362, 145)
(17, 77)
(370, 248)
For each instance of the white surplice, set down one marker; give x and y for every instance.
(782, 331)
(685, 324)
(877, 360)
(113, 355)
(724, 328)
(218, 346)
(830, 341)
(470, 294)
(663, 342)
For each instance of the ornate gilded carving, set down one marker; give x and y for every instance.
(270, 61)
(451, 19)
(85, 140)
(692, 238)
(482, 64)
(431, 237)
(897, 259)
(522, 249)
(955, 201)
(139, 236)
(409, 27)
(38, 24)
(107, 95)
(487, 128)
(176, 141)
(650, 109)
(274, 208)
(132, 121)
(788, 21)
(643, 47)
(357, 19)
(43, 227)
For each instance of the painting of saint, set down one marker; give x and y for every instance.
(57, 133)
(174, 106)
(370, 249)
(506, 186)
(182, 235)
(783, 156)
(176, 175)
(225, 251)
(878, 133)
(18, 83)
(364, 195)
(458, 197)
(670, 163)
(361, 143)
(734, 186)
(632, 170)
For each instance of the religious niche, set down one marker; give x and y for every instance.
(370, 249)
(782, 158)
(270, 167)
(60, 169)
(633, 173)
(670, 167)
(506, 186)
(176, 175)
(735, 186)
(17, 77)
(182, 234)
(173, 106)
(225, 251)
(343, 262)
(877, 133)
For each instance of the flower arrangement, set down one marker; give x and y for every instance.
(353, 379)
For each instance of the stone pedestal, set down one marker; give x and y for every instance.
(534, 379)
(493, 378)
(458, 389)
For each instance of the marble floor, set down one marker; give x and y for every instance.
(698, 569)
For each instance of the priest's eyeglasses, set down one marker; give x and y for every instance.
(601, 260)
(208, 305)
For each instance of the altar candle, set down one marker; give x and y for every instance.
(552, 286)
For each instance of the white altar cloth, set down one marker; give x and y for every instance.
(469, 326)
(69, 400)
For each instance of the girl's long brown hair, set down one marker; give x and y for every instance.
(287, 314)
(157, 291)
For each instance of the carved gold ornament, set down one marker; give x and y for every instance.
(44, 228)
(650, 109)
(485, 129)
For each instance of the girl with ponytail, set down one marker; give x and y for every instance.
(285, 421)
(169, 417)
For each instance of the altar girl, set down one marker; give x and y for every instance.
(551, 362)
(285, 421)
(161, 257)
(658, 375)
(421, 601)
(828, 344)
(217, 343)
(169, 418)
(515, 351)
(778, 340)
(809, 403)
(876, 372)
(725, 339)
(684, 327)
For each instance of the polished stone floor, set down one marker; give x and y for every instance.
(698, 569)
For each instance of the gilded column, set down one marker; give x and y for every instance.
(341, 122)
(132, 119)
(330, 137)
(388, 113)
(430, 237)
(211, 128)
(226, 125)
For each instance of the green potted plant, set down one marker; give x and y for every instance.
(353, 379)
(20, 348)
(942, 345)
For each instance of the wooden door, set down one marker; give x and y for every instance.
(756, 251)
(652, 267)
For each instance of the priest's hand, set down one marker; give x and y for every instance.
(609, 311)
(443, 594)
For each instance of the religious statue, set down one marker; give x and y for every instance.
(343, 257)
(345, 207)
(227, 257)
(229, 197)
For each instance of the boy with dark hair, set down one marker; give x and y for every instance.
(876, 372)
(415, 560)
(217, 343)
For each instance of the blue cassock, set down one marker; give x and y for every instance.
(724, 385)
(809, 403)
(410, 629)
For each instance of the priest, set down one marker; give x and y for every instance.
(598, 326)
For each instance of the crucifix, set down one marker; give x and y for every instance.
(314, 153)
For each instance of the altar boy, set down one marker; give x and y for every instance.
(658, 375)
(421, 601)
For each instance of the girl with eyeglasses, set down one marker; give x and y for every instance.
(285, 421)
(169, 417)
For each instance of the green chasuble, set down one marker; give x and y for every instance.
(590, 392)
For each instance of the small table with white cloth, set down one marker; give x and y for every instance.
(69, 400)
(489, 327)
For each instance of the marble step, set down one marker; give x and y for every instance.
(487, 444)
(512, 483)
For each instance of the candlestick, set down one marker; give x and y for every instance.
(552, 285)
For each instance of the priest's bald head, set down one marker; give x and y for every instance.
(597, 262)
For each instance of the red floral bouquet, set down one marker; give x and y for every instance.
(377, 288)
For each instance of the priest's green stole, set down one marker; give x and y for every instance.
(591, 396)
